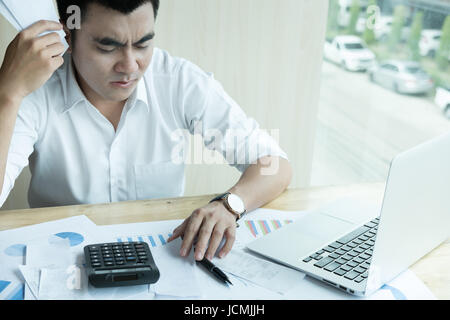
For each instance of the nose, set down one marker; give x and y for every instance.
(128, 63)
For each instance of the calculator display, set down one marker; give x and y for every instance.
(120, 264)
(126, 278)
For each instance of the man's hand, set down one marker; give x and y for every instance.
(30, 59)
(208, 224)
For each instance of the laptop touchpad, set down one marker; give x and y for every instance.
(323, 227)
(302, 237)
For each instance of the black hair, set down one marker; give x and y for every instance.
(123, 6)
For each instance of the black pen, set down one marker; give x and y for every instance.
(214, 270)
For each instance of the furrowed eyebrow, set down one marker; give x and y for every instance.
(111, 42)
(146, 38)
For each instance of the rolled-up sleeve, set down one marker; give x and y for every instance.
(224, 126)
(23, 139)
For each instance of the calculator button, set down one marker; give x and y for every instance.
(109, 263)
(107, 259)
(95, 265)
(131, 258)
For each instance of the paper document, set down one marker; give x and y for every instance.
(4, 11)
(72, 284)
(13, 243)
(177, 274)
(22, 14)
(261, 272)
(46, 261)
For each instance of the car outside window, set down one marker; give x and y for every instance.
(369, 112)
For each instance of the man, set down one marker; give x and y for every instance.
(97, 124)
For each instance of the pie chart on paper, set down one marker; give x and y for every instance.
(16, 250)
(74, 238)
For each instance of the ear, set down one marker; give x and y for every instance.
(68, 36)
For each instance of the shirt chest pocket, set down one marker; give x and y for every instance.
(159, 180)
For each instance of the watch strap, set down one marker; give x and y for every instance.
(220, 196)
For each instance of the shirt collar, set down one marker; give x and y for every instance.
(140, 94)
(74, 95)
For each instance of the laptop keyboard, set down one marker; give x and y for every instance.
(350, 256)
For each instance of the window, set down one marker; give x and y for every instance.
(413, 70)
(385, 99)
(354, 46)
(393, 68)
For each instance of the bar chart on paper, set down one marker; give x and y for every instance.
(262, 227)
(153, 240)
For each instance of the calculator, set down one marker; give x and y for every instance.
(120, 264)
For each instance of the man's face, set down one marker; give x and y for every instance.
(112, 51)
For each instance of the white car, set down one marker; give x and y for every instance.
(350, 52)
(429, 42)
(406, 77)
(442, 99)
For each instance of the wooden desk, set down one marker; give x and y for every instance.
(433, 269)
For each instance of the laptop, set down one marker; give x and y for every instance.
(358, 252)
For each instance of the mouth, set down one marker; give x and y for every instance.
(123, 84)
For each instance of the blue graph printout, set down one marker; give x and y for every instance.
(153, 240)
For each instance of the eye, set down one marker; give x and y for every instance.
(105, 50)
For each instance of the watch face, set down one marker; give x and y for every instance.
(236, 203)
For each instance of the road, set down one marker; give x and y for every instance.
(362, 126)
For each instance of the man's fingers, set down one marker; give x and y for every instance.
(230, 235)
(214, 242)
(40, 27)
(48, 40)
(203, 239)
(178, 231)
(190, 233)
(54, 50)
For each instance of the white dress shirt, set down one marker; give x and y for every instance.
(76, 156)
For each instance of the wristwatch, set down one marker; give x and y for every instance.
(233, 203)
